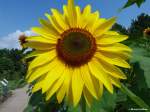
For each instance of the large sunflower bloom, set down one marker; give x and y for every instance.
(76, 54)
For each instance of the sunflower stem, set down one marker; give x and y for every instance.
(134, 98)
(83, 105)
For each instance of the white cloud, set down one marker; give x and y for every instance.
(11, 40)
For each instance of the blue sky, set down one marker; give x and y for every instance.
(23, 14)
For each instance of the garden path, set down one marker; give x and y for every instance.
(17, 102)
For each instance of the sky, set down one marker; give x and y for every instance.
(17, 16)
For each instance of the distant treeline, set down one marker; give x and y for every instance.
(135, 30)
(11, 65)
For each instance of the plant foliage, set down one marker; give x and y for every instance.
(132, 2)
(11, 65)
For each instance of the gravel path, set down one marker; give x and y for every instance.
(17, 102)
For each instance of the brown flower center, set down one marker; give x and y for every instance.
(22, 39)
(148, 32)
(76, 47)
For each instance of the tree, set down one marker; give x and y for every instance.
(11, 66)
(138, 25)
(120, 29)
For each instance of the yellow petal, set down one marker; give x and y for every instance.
(72, 15)
(97, 71)
(38, 85)
(42, 59)
(61, 93)
(64, 89)
(33, 54)
(67, 83)
(28, 74)
(110, 39)
(116, 82)
(66, 15)
(100, 89)
(98, 22)
(112, 60)
(77, 86)
(98, 86)
(54, 23)
(84, 16)
(87, 80)
(60, 19)
(121, 54)
(39, 46)
(115, 48)
(46, 25)
(41, 40)
(112, 70)
(41, 70)
(104, 26)
(46, 33)
(69, 97)
(53, 75)
(111, 33)
(79, 18)
(88, 97)
(86, 11)
(92, 19)
(55, 87)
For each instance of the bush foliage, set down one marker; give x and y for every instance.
(11, 65)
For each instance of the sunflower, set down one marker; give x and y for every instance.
(147, 32)
(22, 39)
(76, 55)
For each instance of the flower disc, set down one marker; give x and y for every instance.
(22, 39)
(76, 47)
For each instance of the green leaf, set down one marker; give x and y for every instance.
(138, 55)
(139, 76)
(139, 2)
(36, 98)
(138, 84)
(73, 109)
(107, 103)
(83, 104)
(121, 97)
(29, 108)
(131, 2)
(134, 98)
